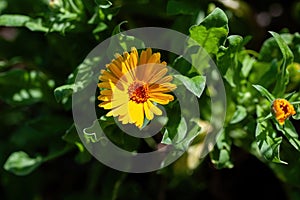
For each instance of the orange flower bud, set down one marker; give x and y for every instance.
(282, 109)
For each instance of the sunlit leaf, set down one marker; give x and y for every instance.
(21, 164)
(239, 114)
(264, 92)
(195, 85)
(13, 20)
(227, 57)
(290, 133)
(211, 32)
(288, 57)
(267, 142)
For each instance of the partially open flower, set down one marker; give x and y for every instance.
(282, 110)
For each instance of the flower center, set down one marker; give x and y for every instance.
(138, 92)
(284, 108)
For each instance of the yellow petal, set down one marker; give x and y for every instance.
(124, 118)
(104, 98)
(149, 114)
(105, 105)
(153, 108)
(136, 113)
(104, 85)
(161, 98)
(158, 75)
(133, 58)
(165, 79)
(155, 58)
(115, 70)
(145, 55)
(106, 92)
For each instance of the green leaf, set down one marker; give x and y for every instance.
(178, 135)
(227, 57)
(287, 59)
(195, 85)
(239, 114)
(13, 20)
(264, 92)
(211, 32)
(166, 138)
(105, 129)
(247, 65)
(267, 142)
(21, 164)
(21, 87)
(270, 49)
(71, 136)
(36, 25)
(220, 156)
(83, 74)
(290, 133)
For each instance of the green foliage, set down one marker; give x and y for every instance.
(43, 46)
(21, 164)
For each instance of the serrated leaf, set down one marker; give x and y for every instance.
(19, 163)
(195, 85)
(264, 92)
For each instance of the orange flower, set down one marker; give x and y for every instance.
(132, 85)
(282, 110)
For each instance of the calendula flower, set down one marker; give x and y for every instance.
(132, 85)
(282, 110)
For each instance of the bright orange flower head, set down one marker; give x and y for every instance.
(282, 110)
(132, 85)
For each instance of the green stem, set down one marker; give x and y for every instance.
(58, 153)
(251, 52)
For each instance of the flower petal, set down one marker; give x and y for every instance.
(136, 113)
(153, 108)
(148, 112)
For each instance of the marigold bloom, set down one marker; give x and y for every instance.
(130, 84)
(282, 110)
